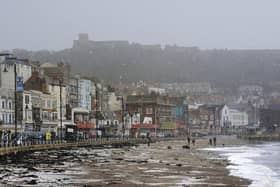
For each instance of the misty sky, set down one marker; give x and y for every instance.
(53, 24)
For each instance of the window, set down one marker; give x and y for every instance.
(3, 104)
(45, 115)
(27, 99)
(10, 105)
(149, 110)
(10, 118)
(54, 104)
(48, 103)
(54, 116)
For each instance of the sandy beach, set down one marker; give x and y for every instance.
(163, 163)
(156, 165)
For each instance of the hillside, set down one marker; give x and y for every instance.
(120, 60)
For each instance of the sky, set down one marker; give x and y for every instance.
(208, 24)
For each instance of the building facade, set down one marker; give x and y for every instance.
(158, 108)
(234, 118)
(6, 109)
(84, 87)
(7, 74)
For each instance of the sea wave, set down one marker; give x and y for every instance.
(258, 163)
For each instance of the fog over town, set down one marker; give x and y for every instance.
(139, 93)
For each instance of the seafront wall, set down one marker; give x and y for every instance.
(67, 145)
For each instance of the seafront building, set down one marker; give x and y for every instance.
(158, 114)
(53, 98)
(84, 93)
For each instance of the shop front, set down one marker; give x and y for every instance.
(85, 129)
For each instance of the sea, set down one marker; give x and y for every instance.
(258, 162)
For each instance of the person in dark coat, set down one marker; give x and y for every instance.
(210, 141)
(214, 141)
(193, 141)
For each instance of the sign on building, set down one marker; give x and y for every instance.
(19, 84)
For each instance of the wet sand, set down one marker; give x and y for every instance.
(159, 166)
(154, 165)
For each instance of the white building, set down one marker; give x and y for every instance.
(54, 90)
(233, 117)
(7, 75)
(159, 91)
(27, 117)
(114, 104)
(84, 87)
(129, 120)
(7, 108)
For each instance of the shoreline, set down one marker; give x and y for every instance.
(163, 163)
(158, 165)
(216, 158)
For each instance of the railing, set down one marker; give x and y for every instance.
(37, 145)
(89, 141)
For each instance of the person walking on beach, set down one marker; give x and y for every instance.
(193, 141)
(189, 140)
(214, 141)
(210, 141)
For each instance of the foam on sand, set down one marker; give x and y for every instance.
(251, 162)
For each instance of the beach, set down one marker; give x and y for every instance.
(164, 163)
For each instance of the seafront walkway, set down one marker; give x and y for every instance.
(57, 144)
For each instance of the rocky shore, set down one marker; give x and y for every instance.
(164, 163)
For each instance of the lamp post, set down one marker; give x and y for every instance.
(10, 57)
(60, 102)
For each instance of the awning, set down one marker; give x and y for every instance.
(85, 125)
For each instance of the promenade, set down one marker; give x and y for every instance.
(49, 145)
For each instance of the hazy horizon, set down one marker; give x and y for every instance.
(217, 24)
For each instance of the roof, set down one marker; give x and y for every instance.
(240, 107)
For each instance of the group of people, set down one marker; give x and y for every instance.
(212, 141)
(189, 141)
(6, 137)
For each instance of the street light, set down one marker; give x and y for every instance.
(60, 102)
(9, 56)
